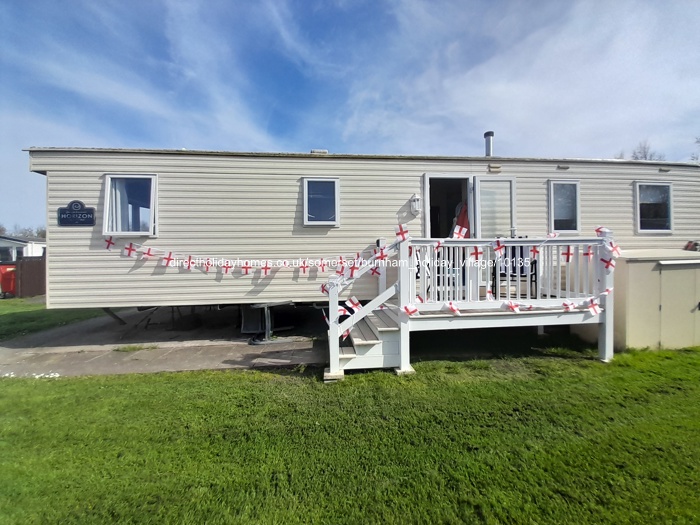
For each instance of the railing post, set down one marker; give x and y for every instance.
(406, 285)
(606, 341)
(333, 330)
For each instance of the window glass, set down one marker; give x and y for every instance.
(564, 202)
(496, 213)
(654, 207)
(130, 205)
(321, 202)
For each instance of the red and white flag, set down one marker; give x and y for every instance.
(460, 232)
(613, 248)
(401, 232)
(168, 259)
(498, 247)
(569, 306)
(593, 306)
(452, 307)
(609, 264)
(511, 306)
(353, 303)
(130, 250)
(410, 309)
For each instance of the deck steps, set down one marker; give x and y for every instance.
(384, 320)
(364, 333)
(374, 342)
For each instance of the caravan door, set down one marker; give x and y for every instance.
(445, 195)
(494, 207)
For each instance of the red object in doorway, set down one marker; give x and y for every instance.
(463, 219)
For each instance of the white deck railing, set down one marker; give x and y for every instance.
(473, 273)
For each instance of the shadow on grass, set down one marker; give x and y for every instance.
(456, 346)
(494, 343)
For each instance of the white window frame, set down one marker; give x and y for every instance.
(153, 226)
(551, 184)
(638, 211)
(336, 183)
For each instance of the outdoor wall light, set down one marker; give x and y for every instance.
(416, 204)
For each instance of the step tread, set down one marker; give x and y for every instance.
(362, 334)
(383, 321)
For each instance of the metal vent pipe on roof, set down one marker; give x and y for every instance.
(488, 137)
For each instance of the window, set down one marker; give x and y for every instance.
(321, 202)
(563, 206)
(130, 205)
(653, 207)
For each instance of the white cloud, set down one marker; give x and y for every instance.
(590, 81)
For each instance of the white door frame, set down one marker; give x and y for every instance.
(426, 196)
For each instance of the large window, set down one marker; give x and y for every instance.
(321, 202)
(130, 205)
(653, 207)
(563, 206)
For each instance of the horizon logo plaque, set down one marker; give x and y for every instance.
(76, 214)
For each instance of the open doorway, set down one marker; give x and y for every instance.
(446, 195)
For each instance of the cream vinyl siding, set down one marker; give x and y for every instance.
(223, 207)
(229, 205)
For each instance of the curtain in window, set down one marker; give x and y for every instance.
(496, 217)
(118, 219)
(564, 200)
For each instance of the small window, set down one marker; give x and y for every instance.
(321, 203)
(653, 207)
(564, 206)
(130, 205)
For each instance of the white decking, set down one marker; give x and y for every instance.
(472, 283)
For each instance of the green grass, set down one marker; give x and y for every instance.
(555, 438)
(24, 316)
(134, 348)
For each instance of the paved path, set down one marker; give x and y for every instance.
(89, 348)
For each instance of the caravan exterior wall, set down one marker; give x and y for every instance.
(251, 206)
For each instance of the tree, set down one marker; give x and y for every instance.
(643, 151)
(3, 230)
(41, 232)
(695, 157)
(23, 231)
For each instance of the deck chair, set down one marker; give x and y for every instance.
(517, 272)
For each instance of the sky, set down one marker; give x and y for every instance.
(552, 79)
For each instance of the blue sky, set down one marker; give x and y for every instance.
(554, 79)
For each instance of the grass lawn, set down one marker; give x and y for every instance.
(23, 316)
(557, 438)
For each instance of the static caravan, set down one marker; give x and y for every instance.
(410, 242)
